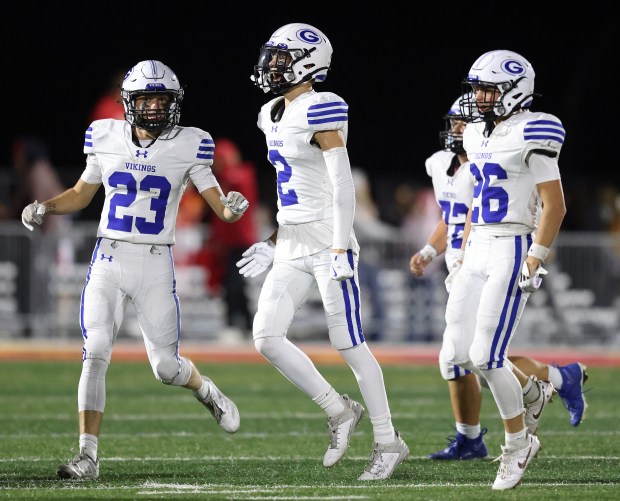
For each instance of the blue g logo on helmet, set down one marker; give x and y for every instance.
(513, 67)
(308, 36)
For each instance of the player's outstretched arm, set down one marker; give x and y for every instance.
(228, 207)
(69, 201)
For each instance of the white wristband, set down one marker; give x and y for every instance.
(269, 242)
(428, 252)
(538, 251)
(460, 255)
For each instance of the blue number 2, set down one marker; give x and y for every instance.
(288, 197)
(158, 204)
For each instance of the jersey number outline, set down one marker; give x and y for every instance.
(486, 193)
(284, 176)
(158, 204)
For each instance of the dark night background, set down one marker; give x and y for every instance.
(398, 69)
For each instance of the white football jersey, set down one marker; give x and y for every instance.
(505, 198)
(305, 191)
(453, 194)
(144, 186)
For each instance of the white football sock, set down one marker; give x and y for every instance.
(89, 444)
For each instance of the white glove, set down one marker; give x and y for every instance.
(531, 283)
(256, 259)
(456, 266)
(33, 213)
(236, 202)
(341, 269)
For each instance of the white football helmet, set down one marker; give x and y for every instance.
(448, 138)
(151, 77)
(505, 70)
(295, 53)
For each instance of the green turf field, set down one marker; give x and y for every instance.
(158, 442)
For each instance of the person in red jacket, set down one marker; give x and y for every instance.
(224, 247)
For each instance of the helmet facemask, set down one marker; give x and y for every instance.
(152, 120)
(275, 70)
(152, 79)
(507, 99)
(449, 138)
(295, 53)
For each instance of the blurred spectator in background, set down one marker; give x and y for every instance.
(225, 245)
(374, 235)
(109, 105)
(190, 232)
(420, 214)
(34, 178)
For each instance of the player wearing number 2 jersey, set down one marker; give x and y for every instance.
(517, 209)
(315, 245)
(144, 164)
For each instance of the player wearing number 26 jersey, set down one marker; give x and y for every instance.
(144, 163)
(517, 209)
(315, 246)
(506, 200)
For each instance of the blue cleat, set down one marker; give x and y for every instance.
(573, 378)
(461, 447)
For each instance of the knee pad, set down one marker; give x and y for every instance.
(269, 347)
(342, 339)
(478, 355)
(273, 319)
(172, 371)
(453, 348)
(449, 371)
(97, 347)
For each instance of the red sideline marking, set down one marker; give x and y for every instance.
(407, 354)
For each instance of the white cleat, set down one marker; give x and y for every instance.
(533, 411)
(81, 467)
(221, 407)
(340, 430)
(513, 464)
(384, 459)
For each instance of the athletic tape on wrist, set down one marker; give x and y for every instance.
(538, 251)
(428, 252)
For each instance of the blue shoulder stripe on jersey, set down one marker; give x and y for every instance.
(328, 112)
(206, 149)
(544, 129)
(89, 137)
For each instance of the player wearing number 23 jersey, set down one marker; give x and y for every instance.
(144, 163)
(144, 186)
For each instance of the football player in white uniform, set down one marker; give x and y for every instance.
(144, 164)
(449, 171)
(516, 213)
(314, 245)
